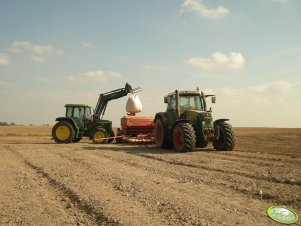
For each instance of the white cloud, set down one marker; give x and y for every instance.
(19, 46)
(230, 91)
(85, 44)
(48, 80)
(114, 74)
(37, 59)
(234, 60)
(270, 104)
(59, 51)
(208, 91)
(43, 49)
(97, 75)
(202, 10)
(267, 90)
(155, 67)
(280, 87)
(39, 51)
(281, 1)
(5, 84)
(4, 59)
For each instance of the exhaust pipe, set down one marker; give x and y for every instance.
(177, 104)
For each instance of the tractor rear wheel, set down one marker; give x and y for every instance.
(99, 136)
(226, 140)
(183, 137)
(63, 132)
(162, 135)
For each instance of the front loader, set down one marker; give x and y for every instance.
(187, 124)
(80, 122)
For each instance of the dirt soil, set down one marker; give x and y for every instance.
(43, 183)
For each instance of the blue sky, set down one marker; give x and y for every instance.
(248, 53)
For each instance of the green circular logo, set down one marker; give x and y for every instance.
(282, 215)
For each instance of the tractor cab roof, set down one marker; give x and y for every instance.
(77, 105)
(186, 92)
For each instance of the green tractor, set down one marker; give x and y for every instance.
(80, 122)
(187, 124)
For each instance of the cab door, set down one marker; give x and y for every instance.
(79, 117)
(171, 109)
(87, 119)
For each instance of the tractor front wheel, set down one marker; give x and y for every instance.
(201, 141)
(183, 137)
(226, 140)
(99, 136)
(63, 132)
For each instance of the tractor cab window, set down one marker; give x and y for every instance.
(69, 112)
(78, 112)
(88, 112)
(192, 102)
(171, 103)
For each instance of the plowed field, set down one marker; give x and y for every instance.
(43, 183)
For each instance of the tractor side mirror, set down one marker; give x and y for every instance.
(165, 99)
(213, 99)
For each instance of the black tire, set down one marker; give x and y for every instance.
(75, 140)
(162, 135)
(111, 134)
(183, 137)
(200, 142)
(63, 132)
(99, 135)
(226, 140)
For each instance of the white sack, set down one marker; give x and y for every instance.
(133, 105)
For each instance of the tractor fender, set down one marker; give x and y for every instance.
(163, 116)
(98, 127)
(216, 127)
(70, 120)
(218, 121)
(180, 121)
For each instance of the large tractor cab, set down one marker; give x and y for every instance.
(188, 124)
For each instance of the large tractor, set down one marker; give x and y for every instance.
(80, 122)
(187, 124)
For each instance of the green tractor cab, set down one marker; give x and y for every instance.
(80, 122)
(187, 124)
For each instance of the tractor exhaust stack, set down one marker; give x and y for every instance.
(177, 104)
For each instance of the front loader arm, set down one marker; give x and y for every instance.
(104, 98)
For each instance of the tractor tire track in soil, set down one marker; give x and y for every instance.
(41, 188)
(86, 184)
(82, 205)
(216, 180)
(142, 191)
